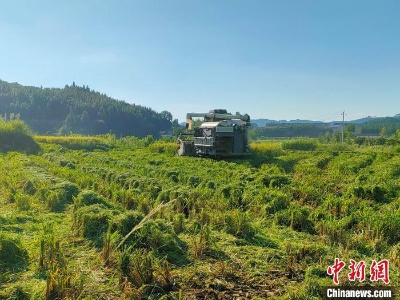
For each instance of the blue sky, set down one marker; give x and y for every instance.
(276, 59)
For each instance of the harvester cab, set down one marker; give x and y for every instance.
(221, 134)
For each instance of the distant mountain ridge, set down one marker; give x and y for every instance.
(368, 126)
(75, 109)
(264, 122)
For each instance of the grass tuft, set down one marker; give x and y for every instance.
(300, 144)
(15, 135)
(13, 256)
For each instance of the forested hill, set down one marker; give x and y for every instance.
(75, 109)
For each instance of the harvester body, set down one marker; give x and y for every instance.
(220, 135)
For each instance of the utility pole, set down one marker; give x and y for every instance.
(343, 127)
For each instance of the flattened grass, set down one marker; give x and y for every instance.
(78, 142)
(273, 220)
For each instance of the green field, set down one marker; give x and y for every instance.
(107, 218)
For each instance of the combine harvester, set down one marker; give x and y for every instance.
(220, 135)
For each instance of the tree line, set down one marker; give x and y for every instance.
(289, 130)
(75, 109)
(384, 127)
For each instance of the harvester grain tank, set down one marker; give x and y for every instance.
(221, 134)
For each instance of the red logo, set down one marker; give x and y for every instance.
(378, 270)
(357, 270)
(335, 270)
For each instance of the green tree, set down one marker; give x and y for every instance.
(384, 132)
(349, 131)
(176, 128)
(166, 115)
